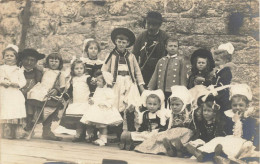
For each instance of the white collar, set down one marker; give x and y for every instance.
(173, 56)
(26, 69)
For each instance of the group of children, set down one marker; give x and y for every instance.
(202, 115)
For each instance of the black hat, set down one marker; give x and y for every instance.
(123, 31)
(203, 53)
(154, 16)
(30, 52)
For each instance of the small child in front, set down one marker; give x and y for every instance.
(152, 120)
(101, 112)
(170, 70)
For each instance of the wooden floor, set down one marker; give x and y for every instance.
(39, 151)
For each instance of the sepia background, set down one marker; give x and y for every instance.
(63, 25)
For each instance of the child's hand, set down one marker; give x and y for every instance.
(141, 88)
(6, 83)
(199, 80)
(53, 92)
(131, 108)
(14, 85)
(90, 101)
(93, 81)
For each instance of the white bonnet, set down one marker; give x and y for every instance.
(108, 77)
(182, 93)
(85, 42)
(14, 47)
(157, 92)
(241, 89)
(228, 47)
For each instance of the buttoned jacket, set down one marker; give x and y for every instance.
(169, 71)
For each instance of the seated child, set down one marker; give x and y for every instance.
(101, 112)
(211, 125)
(202, 65)
(152, 120)
(52, 84)
(179, 121)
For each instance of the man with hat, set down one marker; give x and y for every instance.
(28, 59)
(150, 45)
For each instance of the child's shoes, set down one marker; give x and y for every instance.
(179, 147)
(170, 149)
(129, 143)
(99, 142)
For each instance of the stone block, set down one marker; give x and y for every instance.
(89, 9)
(75, 28)
(61, 9)
(40, 26)
(249, 26)
(11, 8)
(10, 26)
(210, 26)
(246, 56)
(176, 6)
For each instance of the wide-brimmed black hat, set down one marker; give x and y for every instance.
(154, 17)
(123, 31)
(30, 52)
(203, 53)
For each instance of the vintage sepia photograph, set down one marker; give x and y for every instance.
(129, 82)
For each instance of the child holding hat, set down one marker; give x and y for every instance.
(126, 74)
(223, 74)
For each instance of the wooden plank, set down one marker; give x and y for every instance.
(77, 152)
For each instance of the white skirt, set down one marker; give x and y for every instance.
(126, 92)
(101, 116)
(234, 147)
(12, 103)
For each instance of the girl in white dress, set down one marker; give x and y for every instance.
(101, 112)
(79, 93)
(12, 102)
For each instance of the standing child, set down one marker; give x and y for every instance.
(12, 101)
(79, 92)
(101, 112)
(223, 75)
(202, 65)
(91, 49)
(52, 84)
(170, 70)
(152, 120)
(126, 76)
(179, 121)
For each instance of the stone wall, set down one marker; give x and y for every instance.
(63, 25)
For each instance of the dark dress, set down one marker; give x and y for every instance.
(223, 77)
(147, 45)
(147, 123)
